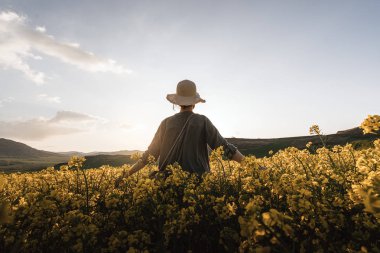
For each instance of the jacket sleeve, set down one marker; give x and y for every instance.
(215, 140)
(155, 145)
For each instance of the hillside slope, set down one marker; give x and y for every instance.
(9, 148)
(120, 152)
(98, 160)
(261, 147)
(15, 156)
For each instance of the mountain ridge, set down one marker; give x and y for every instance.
(17, 156)
(93, 153)
(261, 147)
(10, 148)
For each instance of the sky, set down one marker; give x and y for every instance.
(94, 75)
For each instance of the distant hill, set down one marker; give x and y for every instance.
(9, 148)
(72, 153)
(261, 147)
(16, 156)
(98, 160)
(121, 152)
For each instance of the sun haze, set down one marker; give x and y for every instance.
(93, 75)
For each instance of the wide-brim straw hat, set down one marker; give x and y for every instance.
(186, 94)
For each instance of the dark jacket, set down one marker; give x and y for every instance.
(191, 149)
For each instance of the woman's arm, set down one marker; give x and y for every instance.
(238, 157)
(135, 168)
(153, 149)
(214, 140)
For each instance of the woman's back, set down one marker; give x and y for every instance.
(183, 137)
(189, 149)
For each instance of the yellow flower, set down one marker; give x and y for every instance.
(76, 161)
(371, 124)
(314, 129)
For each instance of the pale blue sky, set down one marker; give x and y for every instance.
(266, 68)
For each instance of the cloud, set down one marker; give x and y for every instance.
(129, 127)
(6, 100)
(34, 129)
(69, 116)
(63, 123)
(126, 126)
(41, 29)
(50, 99)
(18, 40)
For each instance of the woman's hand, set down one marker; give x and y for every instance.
(238, 157)
(135, 167)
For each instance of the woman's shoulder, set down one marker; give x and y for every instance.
(200, 119)
(200, 116)
(178, 116)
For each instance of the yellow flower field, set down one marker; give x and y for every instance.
(324, 200)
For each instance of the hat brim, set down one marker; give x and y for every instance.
(180, 100)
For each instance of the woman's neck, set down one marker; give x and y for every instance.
(186, 110)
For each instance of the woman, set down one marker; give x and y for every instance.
(184, 137)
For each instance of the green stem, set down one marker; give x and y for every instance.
(86, 184)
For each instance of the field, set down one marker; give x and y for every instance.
(12, 164)
(296, 200)
(18, 157)
(9, 165)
